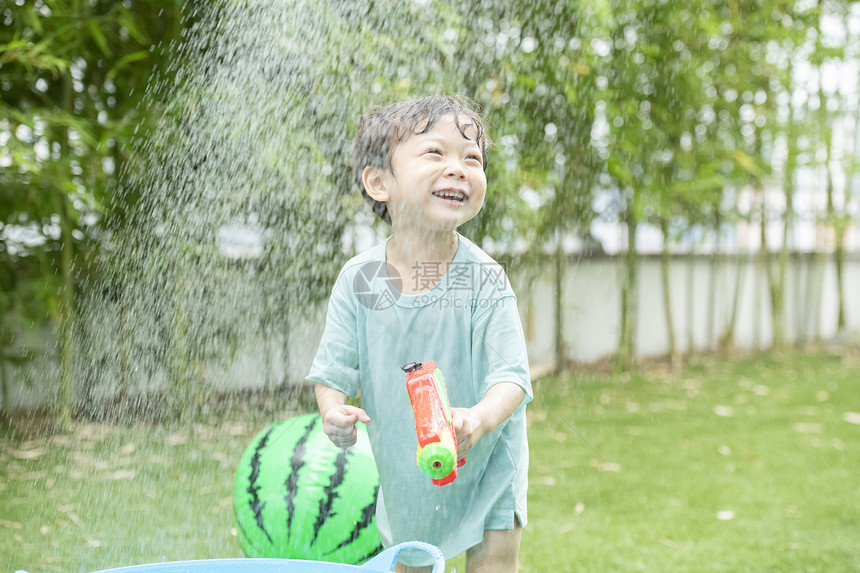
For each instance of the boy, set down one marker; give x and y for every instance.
(428, 293)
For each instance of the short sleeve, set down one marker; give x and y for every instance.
(336, 362)
(499, 346)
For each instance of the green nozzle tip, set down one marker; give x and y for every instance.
(437, 460)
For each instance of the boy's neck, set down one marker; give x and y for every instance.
(406, 249)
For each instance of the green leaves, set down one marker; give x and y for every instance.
(32, 57)
(125, 61)
(99, 37)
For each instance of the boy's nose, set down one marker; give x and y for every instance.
(456, 171)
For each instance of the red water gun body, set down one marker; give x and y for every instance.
(437, 441)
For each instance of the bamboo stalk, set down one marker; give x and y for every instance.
(665, 262)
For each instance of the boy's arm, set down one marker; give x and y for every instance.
(338, 418)
(498, 404)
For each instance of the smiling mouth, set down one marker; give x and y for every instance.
(451, 195)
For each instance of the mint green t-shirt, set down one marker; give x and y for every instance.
(469, 325)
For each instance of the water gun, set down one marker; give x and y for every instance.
(437, 442)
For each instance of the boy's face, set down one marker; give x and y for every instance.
(437, 180)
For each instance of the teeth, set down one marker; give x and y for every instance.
(452, 195)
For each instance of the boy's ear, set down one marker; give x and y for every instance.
(374, 183)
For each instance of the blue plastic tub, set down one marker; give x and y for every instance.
(382, 563)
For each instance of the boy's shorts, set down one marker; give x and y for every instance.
(503, 515)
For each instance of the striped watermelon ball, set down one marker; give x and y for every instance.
(298, 496)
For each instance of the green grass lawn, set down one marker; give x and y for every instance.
(748, 466)
(745, 466)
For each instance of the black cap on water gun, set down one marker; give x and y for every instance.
(411, 367)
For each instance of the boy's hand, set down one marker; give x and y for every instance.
(339, 424)
(498, 404)
(338, 418)
(468, 428)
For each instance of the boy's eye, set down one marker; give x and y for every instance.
(476, 158)
(434, 151)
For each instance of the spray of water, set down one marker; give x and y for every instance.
(234, 223)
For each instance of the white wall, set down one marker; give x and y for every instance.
(591, 302)
(592, 299)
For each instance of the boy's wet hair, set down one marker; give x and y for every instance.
(381, 131)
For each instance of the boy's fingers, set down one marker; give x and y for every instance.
(458, 418)
(347, 438)
(357, 414)
(342, 437)
(340, 425)
(458, 424)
